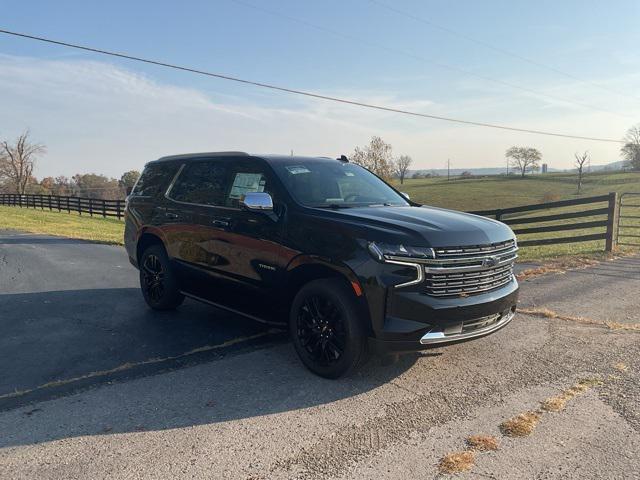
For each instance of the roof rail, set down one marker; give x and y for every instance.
(203, 155)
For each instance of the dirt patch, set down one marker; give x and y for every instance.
(521, 425)
(483, 443)
(457, 462)
(547, 313)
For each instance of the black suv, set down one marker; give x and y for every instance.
(322, 246)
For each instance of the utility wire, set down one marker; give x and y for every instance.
(302, 92)
(500, 50)
(438, 64)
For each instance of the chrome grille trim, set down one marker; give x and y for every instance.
(453, 274)
(491, 249)
(444, 337)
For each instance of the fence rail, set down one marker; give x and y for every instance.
(606, 218)
(80, 205)
(629, 220)
(605, 215)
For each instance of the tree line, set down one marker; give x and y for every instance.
(18, 159)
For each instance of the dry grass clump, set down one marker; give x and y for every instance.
(457, 462)
(521, 425)
(559, 402)
(483, 443)
(557, 266)
(621, 367)
(546, 313)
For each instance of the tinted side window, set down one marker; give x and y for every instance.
(204, 183)
(154, 180)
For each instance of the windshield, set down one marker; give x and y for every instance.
(334, 184)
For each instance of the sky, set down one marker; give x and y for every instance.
(492, 61)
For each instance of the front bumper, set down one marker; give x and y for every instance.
(415, 321)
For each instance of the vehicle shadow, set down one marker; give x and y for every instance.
(128, 362)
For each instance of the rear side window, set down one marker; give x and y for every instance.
(203, 183)
(154, 180)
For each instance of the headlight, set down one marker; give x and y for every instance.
(387, 251)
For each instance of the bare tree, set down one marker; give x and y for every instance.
(377, 157)
(631, 148)
(17, 160)
(402, 165)
(525, 159)
(581, 162)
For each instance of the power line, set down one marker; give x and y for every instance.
(438, 64)
(305, 93)
(500, 50)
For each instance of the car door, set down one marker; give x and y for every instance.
(197, 196)
(255, 254)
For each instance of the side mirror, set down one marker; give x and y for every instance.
(259, 201)
(405, 195)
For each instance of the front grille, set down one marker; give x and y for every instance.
(464, 271)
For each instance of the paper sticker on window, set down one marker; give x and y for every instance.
(246, 183)
(297, 169)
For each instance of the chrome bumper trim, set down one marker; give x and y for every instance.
(441, 337)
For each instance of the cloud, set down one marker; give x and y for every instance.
(100, 117)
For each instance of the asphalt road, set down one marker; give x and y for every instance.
(71, 313)
(105, 397)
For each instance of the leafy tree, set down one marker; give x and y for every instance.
(17, 161)
(97, 186)
(377, 157)
(631, 148)
(402, 165)
(525, 159)
(129, 179)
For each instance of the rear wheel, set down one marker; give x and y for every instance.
(325, 328)
(157, 280)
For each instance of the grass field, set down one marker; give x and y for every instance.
(501, 191)
(491, 192)
(98, 229)
(459, 194)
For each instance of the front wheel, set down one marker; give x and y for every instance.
(157, 280)
(325, 328)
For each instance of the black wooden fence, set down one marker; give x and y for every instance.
(603, 216)
(59, 203)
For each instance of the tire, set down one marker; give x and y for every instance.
(157, 280)
(326, 328)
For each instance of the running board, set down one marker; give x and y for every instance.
(233, 310)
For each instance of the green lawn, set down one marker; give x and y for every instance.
(105, 230)
(469, 194)
(500, 192)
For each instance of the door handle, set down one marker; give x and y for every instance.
(172, 216)
(221, 222)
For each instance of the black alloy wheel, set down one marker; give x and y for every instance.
(153, 277)
(157, 280)
(326, 327)
(320, 328)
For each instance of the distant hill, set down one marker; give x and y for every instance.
(502, 170)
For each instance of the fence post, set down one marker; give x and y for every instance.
(79, 206)
(118, 209)
(499, 215)
(612, 223)
(68, 206)
(91, 206)
(104, 209)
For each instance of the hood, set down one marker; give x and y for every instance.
(434, 227)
